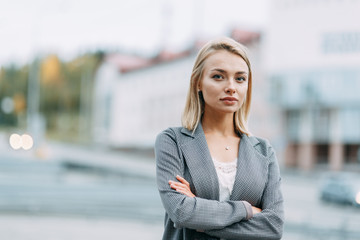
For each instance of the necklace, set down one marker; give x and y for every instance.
(227, 148)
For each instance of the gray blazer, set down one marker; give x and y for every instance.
(181, 152)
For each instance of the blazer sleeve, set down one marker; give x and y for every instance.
(184, 211)
(265, 225)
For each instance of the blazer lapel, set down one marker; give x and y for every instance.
(201, 167)
(251, 169)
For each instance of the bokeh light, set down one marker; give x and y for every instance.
(15, 141)
(358, 198)
(27, 141)
(7, 105)
(24, 141)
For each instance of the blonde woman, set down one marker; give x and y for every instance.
(216, 181)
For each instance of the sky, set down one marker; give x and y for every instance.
(72, 27)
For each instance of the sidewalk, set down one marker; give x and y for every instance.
(304, 211)
(27, 227)
(126, 164)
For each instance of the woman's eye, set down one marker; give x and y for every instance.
(217, 76)
(240, 79)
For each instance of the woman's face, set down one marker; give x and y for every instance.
(224, 82)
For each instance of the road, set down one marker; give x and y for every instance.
(47, 200)
(50, 200)
(307, 217)
(30, 227)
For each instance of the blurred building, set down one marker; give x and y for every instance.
(106, 90)
(139, 98)
(312, 58)
(144, 97)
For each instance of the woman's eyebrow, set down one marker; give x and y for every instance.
(223, 71)
(218, 70)
(242, 72)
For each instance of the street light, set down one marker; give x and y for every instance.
(24, 141)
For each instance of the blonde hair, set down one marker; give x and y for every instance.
(194, 105)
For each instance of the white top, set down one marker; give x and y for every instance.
(226, 172)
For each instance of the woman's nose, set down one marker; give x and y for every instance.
(230, 88)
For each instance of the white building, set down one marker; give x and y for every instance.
(136, 98)
(312, 58)
(149, 99)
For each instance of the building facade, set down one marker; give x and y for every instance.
(312, 59)
(150, 99)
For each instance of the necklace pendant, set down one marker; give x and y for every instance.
(227, 147)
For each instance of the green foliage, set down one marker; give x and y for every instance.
(61, 92)
(13, 83)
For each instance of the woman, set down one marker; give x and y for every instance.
(215, 180)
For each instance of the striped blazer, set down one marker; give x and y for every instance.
(181, 152)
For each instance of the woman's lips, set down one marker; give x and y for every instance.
(229, 100)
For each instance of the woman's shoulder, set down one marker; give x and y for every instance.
(173, 133)
(262, 145)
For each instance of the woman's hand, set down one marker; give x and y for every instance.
(182, 187)
(256, 210)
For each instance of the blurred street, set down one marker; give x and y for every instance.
(85, 87)
(307, 217)
(95, 193)
(29, 227)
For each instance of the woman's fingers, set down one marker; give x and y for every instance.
(175, 185)
(178, 186)
(185, 192)
(256, 210)
(181, 179)
(183, 186)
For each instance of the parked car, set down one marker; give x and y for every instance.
(342, 188)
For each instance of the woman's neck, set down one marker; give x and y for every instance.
(222, 124)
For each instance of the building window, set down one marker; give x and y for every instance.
(322, 153)
(341, 42)
(293, 124)
(276, 89)
(321, 125)
(352, 153)
(349, 119)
